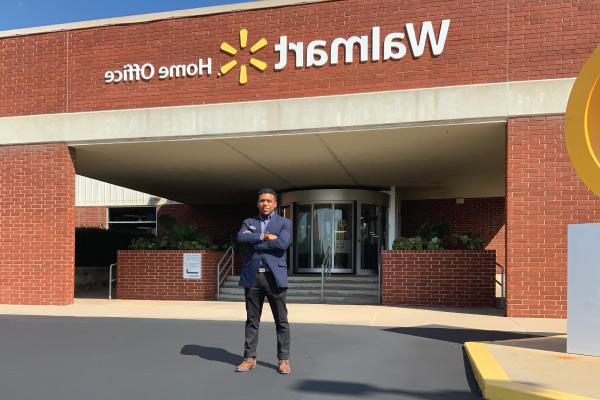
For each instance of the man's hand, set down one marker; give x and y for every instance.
(270, 236)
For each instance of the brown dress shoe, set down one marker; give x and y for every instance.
(284, 367)
(246, 365)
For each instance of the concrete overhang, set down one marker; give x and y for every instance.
(441, 161)
(430, 143)
(355, 112)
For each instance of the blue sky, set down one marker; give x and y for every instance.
(17, 14)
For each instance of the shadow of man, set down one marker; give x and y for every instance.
(217, 354)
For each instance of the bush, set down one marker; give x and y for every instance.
(98, 247)
(174, 236)
(430, 230)
(436, 236)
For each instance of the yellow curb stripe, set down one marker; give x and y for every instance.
(496, 385)
(521, 391)
(484, 365)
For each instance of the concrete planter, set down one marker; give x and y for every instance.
(158, 275)
(456, 278)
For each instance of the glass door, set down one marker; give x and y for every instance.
(343, 247)
(303, 238)
(322, 234)
(369, 239)
(323, 228)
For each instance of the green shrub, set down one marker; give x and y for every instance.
(404, 243)
(430, 230)
(436, 236)
(174, 236)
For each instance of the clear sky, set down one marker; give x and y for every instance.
(16, 14)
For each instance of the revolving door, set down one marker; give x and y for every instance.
(342, 230)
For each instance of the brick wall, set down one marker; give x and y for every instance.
(218, 221)
(544, 195)
(90, 217)
(456, 278)
(37, 224)
(488, 41)
(484, 217)
(158, 275)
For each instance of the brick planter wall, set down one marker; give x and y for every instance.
(158, 275)
(456, 278)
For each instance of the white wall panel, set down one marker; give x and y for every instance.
(91, 192)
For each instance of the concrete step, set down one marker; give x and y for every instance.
(312, 286)
(307, 289)
(313, 300)
(317, 279)
(310, 293)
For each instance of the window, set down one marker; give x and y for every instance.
(132, 219)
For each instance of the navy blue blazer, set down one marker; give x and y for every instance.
(271, 252)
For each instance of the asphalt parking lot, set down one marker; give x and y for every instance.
(79, 358)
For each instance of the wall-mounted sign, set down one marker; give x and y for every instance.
(376, 46)
(192, 266)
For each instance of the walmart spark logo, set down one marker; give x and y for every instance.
(254, 62)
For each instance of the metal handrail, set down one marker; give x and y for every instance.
(226, 263)
(502, 286)
(110, 279)
(323, 273)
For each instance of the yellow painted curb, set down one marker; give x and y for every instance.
(496, 385)
(485, 367)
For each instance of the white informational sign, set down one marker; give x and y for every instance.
(583, 290)
(192, 266)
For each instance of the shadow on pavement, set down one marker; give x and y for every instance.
(352, 389)
(217, 354)
(459, 335)
(494, 311)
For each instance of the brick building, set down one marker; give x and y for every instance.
(383, 114)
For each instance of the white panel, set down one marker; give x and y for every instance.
(91, 192)
(583, 299)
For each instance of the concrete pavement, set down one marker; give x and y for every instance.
(529, 368)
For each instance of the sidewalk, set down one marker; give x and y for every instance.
(535, 368)
(382, 316)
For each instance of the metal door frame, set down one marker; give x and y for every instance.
(359, 268)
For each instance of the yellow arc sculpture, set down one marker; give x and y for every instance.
(582, 123)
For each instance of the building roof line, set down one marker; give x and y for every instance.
(158, 16)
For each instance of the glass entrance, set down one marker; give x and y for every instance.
(342, 230)
(323, 237)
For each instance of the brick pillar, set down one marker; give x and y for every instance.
(544, 195)
(37, 224)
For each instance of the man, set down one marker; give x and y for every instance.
(264, 274)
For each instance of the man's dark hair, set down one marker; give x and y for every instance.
(267, 191)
